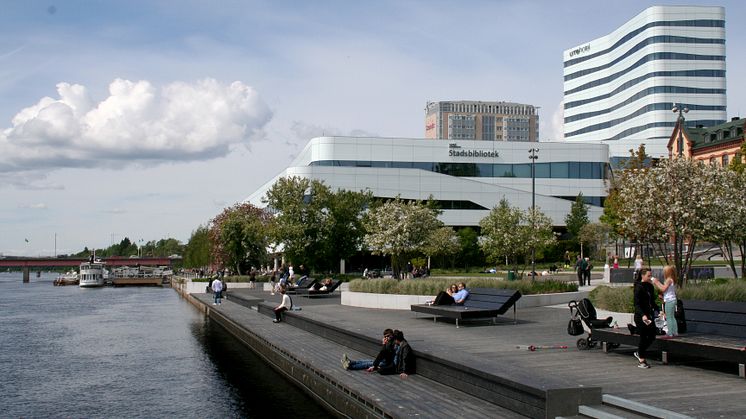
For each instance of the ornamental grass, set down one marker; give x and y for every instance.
(433, 286)
(621, 299)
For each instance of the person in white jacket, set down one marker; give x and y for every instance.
(284, 306)
(217, 290)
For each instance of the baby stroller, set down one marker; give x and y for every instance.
(583, 320)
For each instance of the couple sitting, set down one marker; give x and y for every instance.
(455, 294)
(395, 357)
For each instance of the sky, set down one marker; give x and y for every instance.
(145, 119)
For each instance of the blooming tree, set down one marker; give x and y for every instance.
(730, 228)
(671, 206)
(400, 229)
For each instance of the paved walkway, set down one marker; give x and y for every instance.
(698, 390)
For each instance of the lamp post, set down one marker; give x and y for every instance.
(680, 141)
(533, 158)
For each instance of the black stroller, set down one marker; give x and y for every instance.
(583, 320)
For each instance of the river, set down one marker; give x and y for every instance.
(128, 352)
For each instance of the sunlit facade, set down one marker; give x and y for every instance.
(622, 87)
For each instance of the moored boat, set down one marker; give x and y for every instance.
(91, 274)
(69, 278)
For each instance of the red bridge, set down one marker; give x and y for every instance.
(28, 263)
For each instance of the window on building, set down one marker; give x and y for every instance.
(712, 161)
(725, 160)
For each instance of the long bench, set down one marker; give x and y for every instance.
(482, 303)
(715, 330)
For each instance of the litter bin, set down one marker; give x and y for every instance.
(511, 275)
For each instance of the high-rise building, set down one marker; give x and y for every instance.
(621, 88)
(481, 121)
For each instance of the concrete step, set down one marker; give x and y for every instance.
(640, 408)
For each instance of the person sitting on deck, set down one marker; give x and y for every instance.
(284, 306)
(404, 360)
(384, 360)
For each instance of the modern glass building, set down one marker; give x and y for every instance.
(466, 178)
(620, 88)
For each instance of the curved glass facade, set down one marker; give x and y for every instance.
(637, 80)
(553, 170)
(702, 23)
(650, 41)
(679, 54)
(648, 58)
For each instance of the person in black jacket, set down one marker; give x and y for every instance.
(404, 359)
(644, 319)
(383, 362)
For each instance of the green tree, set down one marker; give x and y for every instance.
(737, 164)
(577, 217)
(470, 254)
(400, 229)
(509, 234)
(239, 237)
(594, 235)
(197, 250)
(316, 226)
(442, 242)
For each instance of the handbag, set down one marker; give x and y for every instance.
(574, 327)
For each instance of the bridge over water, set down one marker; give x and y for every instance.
(27, 264)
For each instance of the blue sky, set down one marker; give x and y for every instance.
(182, 108)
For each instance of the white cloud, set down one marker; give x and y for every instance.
(557, 127)
(136, 123)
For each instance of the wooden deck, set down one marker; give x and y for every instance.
(700, 389)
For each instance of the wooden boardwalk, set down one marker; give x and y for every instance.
(410, 398)
(693, 389)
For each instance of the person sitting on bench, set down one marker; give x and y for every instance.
(384, 360)
(445, 298)
(323, 286)
(284, 306)
(460, 297)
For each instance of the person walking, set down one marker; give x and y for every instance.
(217, 291)
(668, 288)
(580, 269)
(587, 271)
(644, 297)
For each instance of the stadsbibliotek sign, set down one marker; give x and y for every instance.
(473, 153)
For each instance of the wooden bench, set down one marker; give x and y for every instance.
(715, 330)
(482, 303)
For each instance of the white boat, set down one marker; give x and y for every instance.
(91, 274)
(69, 278)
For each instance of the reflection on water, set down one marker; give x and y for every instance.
(127, 352)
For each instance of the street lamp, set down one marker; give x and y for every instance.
(680, 141)
(533, 158)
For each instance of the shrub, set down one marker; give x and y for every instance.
(618, 299)
(433, 286)
(718, 289)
